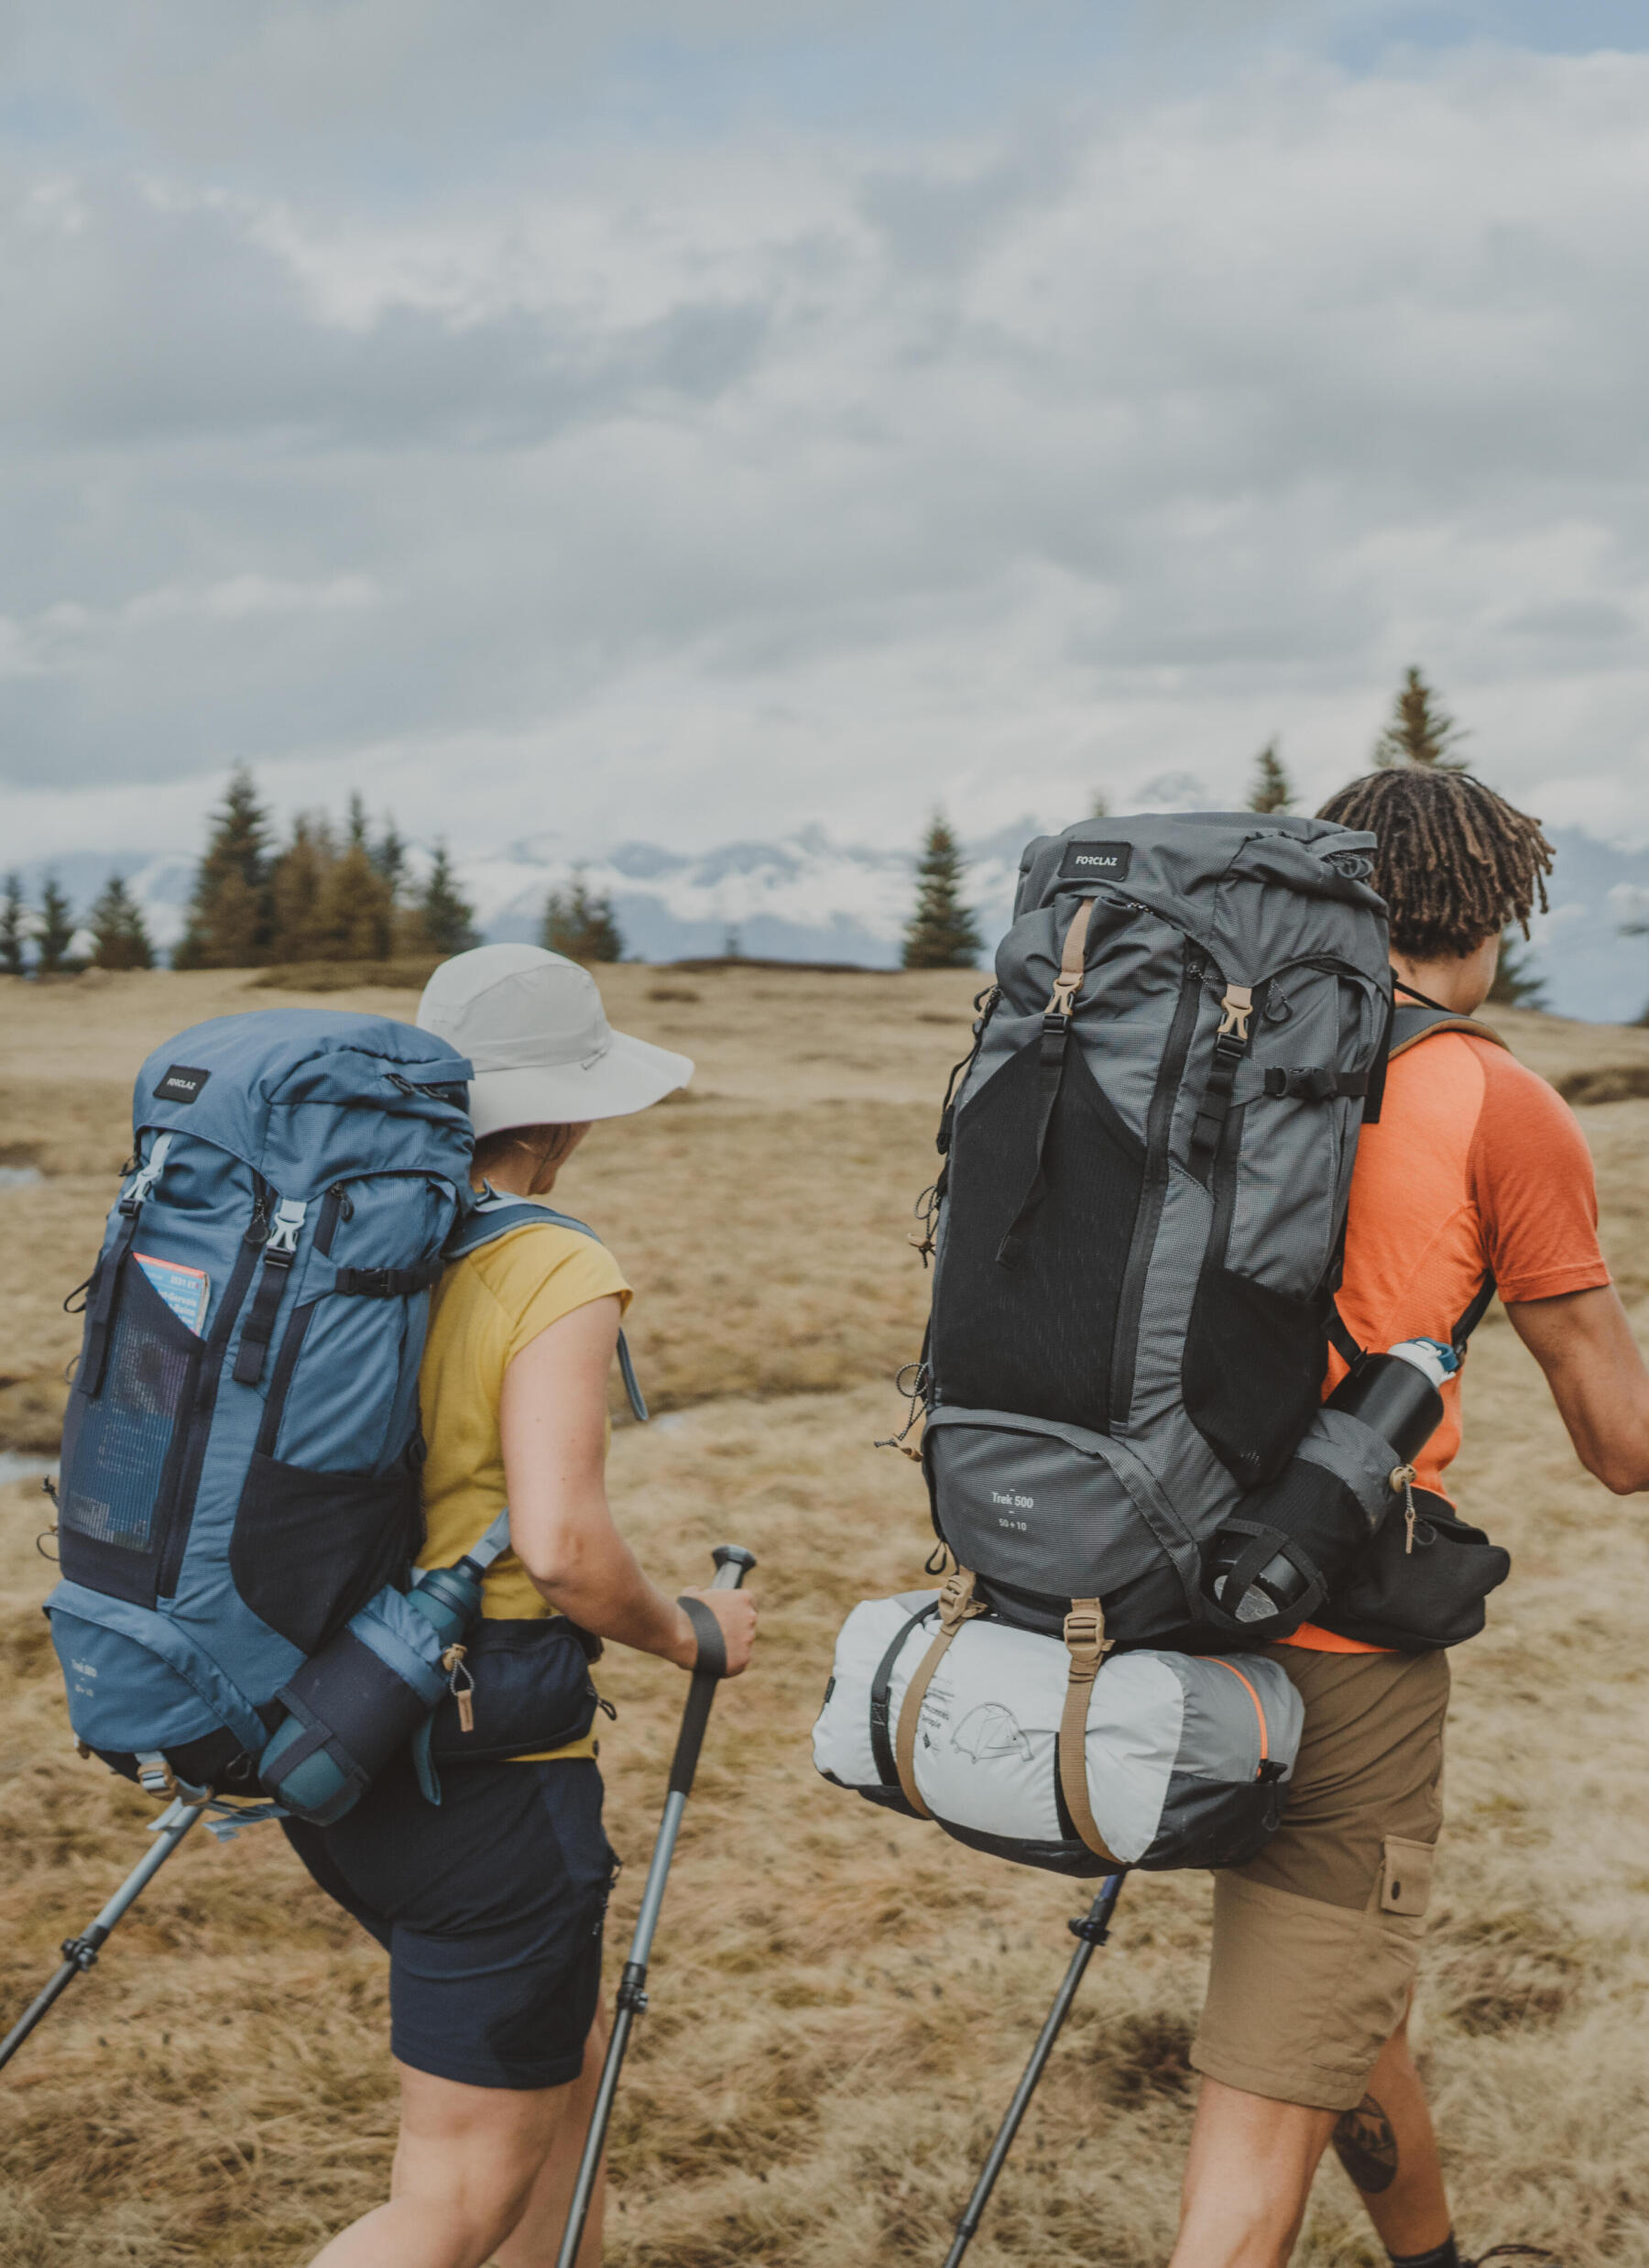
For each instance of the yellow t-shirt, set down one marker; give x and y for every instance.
(485, 1309)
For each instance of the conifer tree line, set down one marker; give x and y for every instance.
(327, 893)
(42, 936)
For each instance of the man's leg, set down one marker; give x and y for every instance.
(1314, 1948)
(1388, 2148)
(1247, 2179)
(537, 2233)
(464, 2168)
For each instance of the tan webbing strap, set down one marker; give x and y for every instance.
(957, 1604)
(1468, 1024)
(1085, 1640)
(1062, 1000)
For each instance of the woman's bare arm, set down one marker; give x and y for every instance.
(552, 1424)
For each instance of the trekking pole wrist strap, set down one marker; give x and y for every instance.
(711, 1646)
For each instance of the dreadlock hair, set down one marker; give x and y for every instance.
(1456, 864)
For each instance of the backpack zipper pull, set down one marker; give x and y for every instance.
(1403, 1477)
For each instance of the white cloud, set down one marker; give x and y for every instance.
(705, 488)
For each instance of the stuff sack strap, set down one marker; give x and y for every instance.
(279, 1252)
(881, 1685)
(1055, 1038)
(1087, 1645)
(957, 1604)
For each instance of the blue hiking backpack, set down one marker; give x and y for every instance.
(240, 1480)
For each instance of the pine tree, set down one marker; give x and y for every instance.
(732, 943)
(1099, 804)
(1421, 733)
(297, 882)
(580, 923)
(942, 932)
(229, 921)
(1273, 790)
(389, 854)
(355, 912)
(1516, 984)
(14, 928)
(54, 926)
(119, 937)
(357, 822)
(447, 920)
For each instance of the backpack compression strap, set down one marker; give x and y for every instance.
(1087, 1645)
(1055, 1038)
(89, 1378)
(957, 1604)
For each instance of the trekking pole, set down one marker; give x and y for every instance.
(733, 1563)
(79, 1954)
(1090, 1930)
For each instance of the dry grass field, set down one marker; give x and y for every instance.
(842, 1999)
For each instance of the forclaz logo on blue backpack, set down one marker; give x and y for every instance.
(1096, 862)
(183, 1083)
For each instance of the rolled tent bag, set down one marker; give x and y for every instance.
(1187, 1756)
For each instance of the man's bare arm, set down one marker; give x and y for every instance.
(1584, 1343)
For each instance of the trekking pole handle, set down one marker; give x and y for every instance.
(733, 1563)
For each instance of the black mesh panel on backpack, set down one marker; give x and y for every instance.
(1036, 1338)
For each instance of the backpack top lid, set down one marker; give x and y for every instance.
(304, 1094)
(1178, 863)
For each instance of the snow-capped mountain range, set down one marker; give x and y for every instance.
(807, 897)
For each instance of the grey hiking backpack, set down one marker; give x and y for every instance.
(1138, 1225)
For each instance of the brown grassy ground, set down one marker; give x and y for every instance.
(842, 1999)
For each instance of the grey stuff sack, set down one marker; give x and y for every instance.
(1187, 1757)
(1138, 1221)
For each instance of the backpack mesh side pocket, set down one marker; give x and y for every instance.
(124, 1444)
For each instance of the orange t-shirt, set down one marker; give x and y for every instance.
(1475, 1166)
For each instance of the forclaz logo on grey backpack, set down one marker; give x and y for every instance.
(183, 1083)
(1096, 862)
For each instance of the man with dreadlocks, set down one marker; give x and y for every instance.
(1476, 1177)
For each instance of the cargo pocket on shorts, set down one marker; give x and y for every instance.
(1405, 1879)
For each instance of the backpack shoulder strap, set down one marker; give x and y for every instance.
(1409, 1026)
(488, 1217)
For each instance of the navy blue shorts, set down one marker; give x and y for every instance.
(490, 1907)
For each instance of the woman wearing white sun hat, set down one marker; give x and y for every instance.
(491, 1906)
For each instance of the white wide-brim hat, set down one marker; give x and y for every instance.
(533, 1025)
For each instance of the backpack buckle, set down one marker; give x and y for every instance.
(1237, 1006)
(1085, 1638)
(957, 1603)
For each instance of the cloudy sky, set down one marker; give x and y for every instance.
(689, 420)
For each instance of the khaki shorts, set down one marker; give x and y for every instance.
(1317, 1940)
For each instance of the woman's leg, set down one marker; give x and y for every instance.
(465, 2169)
(538, 2234)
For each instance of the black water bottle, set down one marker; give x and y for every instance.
(1396, 1394)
